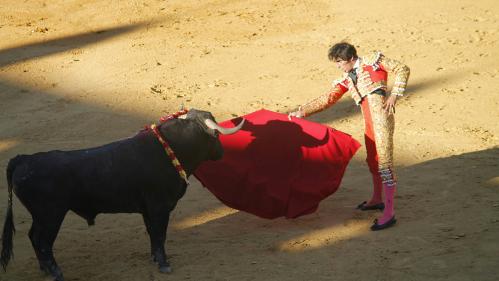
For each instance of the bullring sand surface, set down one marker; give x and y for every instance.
(77, 74)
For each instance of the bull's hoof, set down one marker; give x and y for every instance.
(51, 268)
(165, 269)
(58, 278)
(160, 259)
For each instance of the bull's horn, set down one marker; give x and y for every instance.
(224, 131)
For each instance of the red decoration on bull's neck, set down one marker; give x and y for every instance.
(176, 163)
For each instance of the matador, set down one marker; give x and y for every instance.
(365, 78)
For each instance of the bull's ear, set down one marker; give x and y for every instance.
(183, 116)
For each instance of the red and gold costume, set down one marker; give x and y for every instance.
(369, 91)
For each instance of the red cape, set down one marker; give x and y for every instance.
(274, 167)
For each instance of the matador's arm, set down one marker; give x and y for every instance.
(324, 101)
(401, 72)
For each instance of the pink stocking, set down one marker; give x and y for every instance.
(390, 186)
(388, 212)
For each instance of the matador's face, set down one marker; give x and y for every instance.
(345, 65)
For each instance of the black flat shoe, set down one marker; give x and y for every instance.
(362, 206)
(387, 224)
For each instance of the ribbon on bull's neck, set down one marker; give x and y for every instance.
(172, 116)
(166, 146)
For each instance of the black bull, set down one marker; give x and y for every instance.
(133, 175)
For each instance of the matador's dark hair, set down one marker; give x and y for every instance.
(342, 51)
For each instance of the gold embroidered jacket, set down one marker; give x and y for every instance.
(372, 75)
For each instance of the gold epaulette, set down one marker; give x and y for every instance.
(372, 59)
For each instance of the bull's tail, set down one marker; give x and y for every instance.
(8, 227)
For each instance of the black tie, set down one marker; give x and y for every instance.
(353, 74)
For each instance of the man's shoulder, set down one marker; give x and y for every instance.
(372, 58)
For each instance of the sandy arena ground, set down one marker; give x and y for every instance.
(76, 74)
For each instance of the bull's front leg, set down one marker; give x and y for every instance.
(156, 225)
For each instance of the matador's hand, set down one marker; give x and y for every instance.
(389, 105)
(298, 114)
